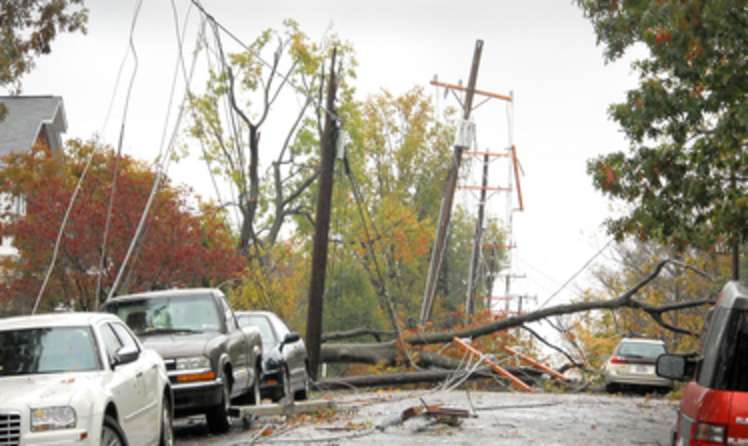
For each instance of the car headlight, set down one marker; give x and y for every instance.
(52, 418)
(196, 363)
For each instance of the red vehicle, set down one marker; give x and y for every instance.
(714, 408)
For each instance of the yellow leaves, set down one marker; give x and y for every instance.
(275, 282)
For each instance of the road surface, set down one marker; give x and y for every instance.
(502, 419)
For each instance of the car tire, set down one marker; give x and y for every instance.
(255, 395)
(303, 394)
(611, 388)
(111, 433)
(219, 421)
(167, 424)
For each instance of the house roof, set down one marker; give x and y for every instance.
(27, 117)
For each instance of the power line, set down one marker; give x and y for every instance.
(115, 174)
(164, 156)
(580, 271)
(79, 184)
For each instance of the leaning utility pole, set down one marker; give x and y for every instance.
(445, 213)
(473, 272)
(322, 226)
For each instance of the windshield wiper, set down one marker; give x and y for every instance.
(152, 331)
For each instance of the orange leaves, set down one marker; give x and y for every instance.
(609, 176)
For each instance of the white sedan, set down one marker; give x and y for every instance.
(80, 379)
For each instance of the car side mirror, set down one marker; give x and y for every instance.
(676, 367)
(125, 355)
(290, 338)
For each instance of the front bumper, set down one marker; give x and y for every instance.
(78, 437)
(196, 397)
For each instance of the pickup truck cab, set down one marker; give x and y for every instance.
(210, 360)
(714, 408)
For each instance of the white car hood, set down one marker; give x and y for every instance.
(25, 392)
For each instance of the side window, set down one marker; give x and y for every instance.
(124, 336)
(111, 341)
(711, 347)
(228, 315)
(280, 327)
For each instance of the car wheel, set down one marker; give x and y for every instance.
(219, 421)
(303, 394)
(167, 426)
(255, 396)
(111, 433)
(611, 388)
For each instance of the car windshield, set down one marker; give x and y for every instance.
(47, 350)
(174, 315)
(263, 324)
(640, 350)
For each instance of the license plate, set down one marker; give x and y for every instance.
(643, 369)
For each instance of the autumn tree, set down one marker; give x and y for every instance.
(28, 28)
(686, 171)
(386, 203)
(230, 115)
(186, 242)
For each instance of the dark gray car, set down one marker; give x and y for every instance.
(210, 360)
(284, 365)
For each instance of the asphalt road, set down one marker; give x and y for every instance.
(502, 419)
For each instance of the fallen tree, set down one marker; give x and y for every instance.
(389, 353)
(421, 377)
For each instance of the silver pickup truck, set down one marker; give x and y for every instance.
(210, 360)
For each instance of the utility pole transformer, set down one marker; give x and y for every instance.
(445, 212)
(322, 226)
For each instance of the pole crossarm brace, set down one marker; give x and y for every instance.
(534, 363)
(489, 188)
(485, 153)
(489, 94)
(515, 165)
(516, 382)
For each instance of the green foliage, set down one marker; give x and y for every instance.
(28, 27)
(399, 157)
(687, 168)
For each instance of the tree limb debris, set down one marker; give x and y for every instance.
(387, 352)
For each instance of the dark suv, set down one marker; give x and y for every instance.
(208, 357)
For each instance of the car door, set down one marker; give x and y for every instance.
(238, 349)
(127, 390)
(293, 352)
(146, 371)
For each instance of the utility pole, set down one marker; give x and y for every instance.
(322, 226)
(445, 213)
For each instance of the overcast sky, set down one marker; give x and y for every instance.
(542, 50)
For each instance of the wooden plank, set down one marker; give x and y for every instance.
(282, 409)
(516, 382)
(533, 362)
